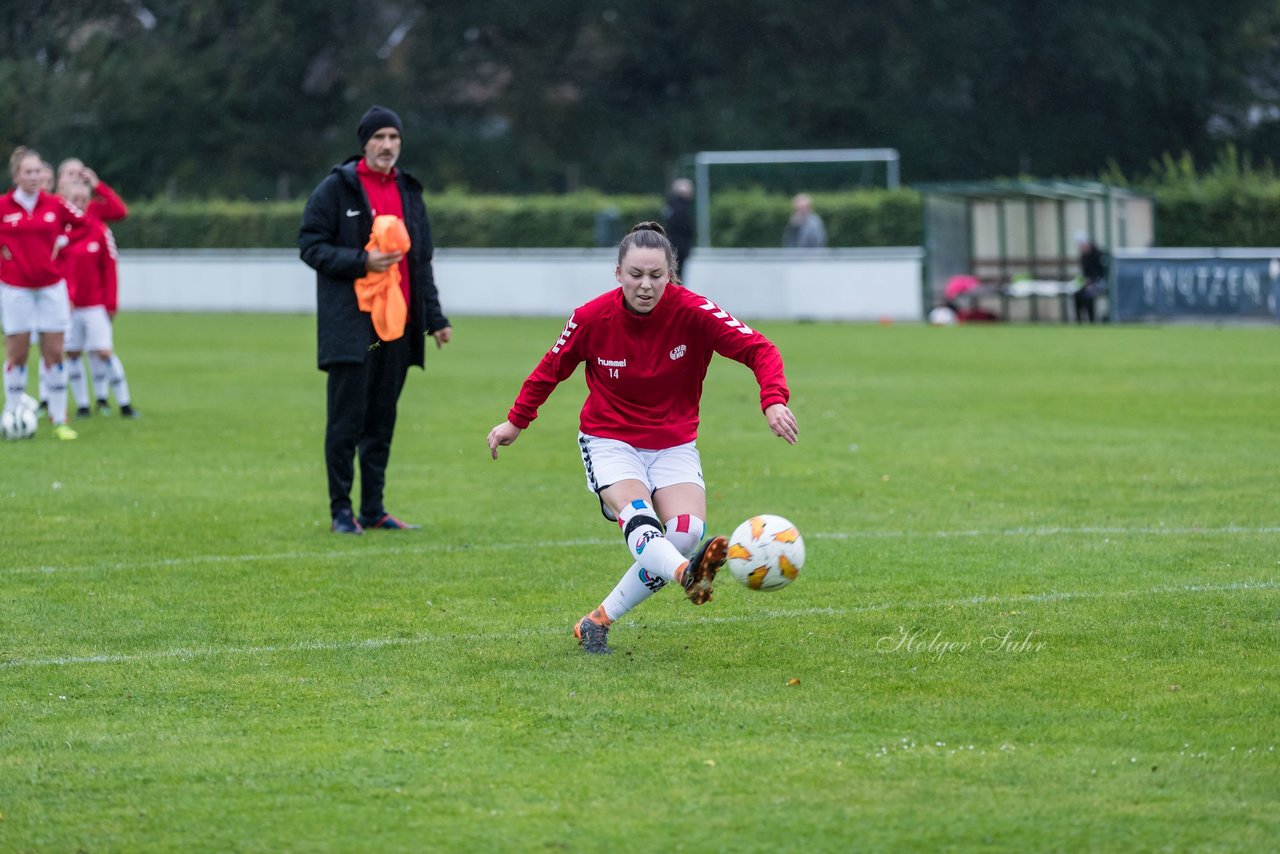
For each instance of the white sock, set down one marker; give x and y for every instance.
(56, 384)
(119, 384)
(636, 585)
(77, 381)
(15, 384)
(100, 368)
(649, 548)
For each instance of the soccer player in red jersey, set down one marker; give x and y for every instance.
(33, 293)
(646, 347)
(104, 203)
(90, 267)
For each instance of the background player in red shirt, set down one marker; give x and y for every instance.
(104, 203)
(646, 346)
(33, 294)
(89, 262)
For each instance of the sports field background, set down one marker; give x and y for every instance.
(1040, 608)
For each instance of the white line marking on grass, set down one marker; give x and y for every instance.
(345, 554)
(1047, 531)
(769, 614)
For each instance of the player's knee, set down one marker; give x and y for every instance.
(639, 521)
(685, 533)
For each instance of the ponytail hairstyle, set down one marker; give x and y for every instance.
(650, 235)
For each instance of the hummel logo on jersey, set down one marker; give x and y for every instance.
(564, 336)
(352, 213)
(729, 320)
(678, 352)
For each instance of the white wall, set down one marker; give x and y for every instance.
(831, 284)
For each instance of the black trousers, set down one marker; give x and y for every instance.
(1085, 298)
(362, 419)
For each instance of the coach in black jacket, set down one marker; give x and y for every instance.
(366, 375)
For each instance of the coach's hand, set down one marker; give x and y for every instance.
(380, 262)
(504, 434)
(782, 422)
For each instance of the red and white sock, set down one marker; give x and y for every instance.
(636, 585)
(55, 382)
(15, 384)
(649, 548)
(76, 379)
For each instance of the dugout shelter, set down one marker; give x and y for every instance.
(1018, 238)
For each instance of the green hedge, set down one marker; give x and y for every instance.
(460, 220)
(1194, 213)
(1219, 216)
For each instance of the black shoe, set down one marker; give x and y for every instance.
(43, 408)
(83, 412)
(104, 408)
(127, 411)
(344, 522)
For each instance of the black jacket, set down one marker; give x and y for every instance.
(335, 228)
(677, 216)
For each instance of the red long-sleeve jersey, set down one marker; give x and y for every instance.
(645, 372)
(89, 263)
(29, 257)
(106, 205)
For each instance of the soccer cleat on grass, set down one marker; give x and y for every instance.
(697, 576)
(593, 635)
(64, 432)
(387, 522)
(344, 522)
(127, 411)
(104, 408)
(83, 412)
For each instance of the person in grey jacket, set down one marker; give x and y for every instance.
(805, 229)
(366, 374)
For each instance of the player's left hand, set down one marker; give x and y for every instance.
(443, 336)
(782, 422)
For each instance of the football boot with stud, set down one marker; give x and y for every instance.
(700, 572)
(593, 635)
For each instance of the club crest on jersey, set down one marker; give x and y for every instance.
(678, 352)
(50, 216)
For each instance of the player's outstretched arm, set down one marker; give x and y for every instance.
(504, 434)
(782, 422)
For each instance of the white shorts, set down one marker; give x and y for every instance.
(608, 461)
(90, 330)
(44, 309)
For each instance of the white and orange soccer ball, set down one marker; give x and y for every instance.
(766, 552)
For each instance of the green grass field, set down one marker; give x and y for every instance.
(1041, 608)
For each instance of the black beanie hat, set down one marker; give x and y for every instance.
(375, 120)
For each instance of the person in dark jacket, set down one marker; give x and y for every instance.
(1093, 277)
(677, 219)
(366, 374)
